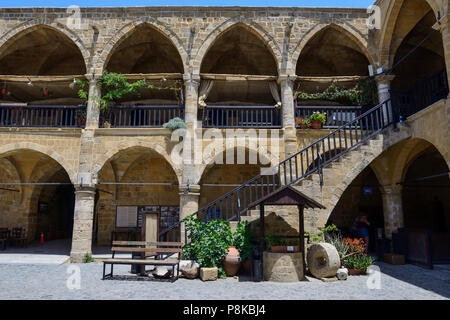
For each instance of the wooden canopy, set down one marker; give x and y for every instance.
(286, 196)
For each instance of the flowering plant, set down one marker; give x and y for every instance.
(317, 116)
(356, 246)
(303, 122)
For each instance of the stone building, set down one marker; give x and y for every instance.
(64, 172)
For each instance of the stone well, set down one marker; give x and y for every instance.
(283, 267)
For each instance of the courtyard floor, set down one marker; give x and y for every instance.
(49, 281)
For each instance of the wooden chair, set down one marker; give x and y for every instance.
(18, 237)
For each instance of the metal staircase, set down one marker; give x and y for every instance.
(312, 159)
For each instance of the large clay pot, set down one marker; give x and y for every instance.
(316, 124)
(232, 262)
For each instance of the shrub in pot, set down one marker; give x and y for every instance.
(242, 240)
(303, 123)
(209, 243)
(317, 120)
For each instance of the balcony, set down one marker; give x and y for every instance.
(43, 116)
(261, 117)
(141, 116)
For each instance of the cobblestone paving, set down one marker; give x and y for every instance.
(49, 282)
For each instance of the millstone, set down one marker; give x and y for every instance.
(323, 260)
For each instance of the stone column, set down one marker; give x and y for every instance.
(288, 115)
(384, 85)
(191, 85)
(189, 198)
(93, 112)
(392, 209)
(82, 224)
(444, 27)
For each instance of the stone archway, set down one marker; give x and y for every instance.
(135, 177)
(69, 59)
(129, 30)
(216, 32)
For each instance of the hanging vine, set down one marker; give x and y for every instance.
(363, 94)
(114, 86)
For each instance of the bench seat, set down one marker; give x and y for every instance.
(169, 262)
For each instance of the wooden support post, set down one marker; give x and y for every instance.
(301, 228)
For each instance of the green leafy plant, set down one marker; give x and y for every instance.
(114, 86)
(275, 241)
(174, 124)
(88, 258)
(209, 242)
(242, 240)
(319, 236)
(317, 116)
(359, 262)
(364, 93)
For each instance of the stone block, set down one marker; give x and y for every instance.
(209, 274)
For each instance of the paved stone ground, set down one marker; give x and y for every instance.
(49, 282)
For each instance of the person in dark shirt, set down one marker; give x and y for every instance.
(363, 229)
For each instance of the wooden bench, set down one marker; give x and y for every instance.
(152, 253)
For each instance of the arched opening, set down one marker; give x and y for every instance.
(135, 181)
(146, 50)
(361, 198)
(410, 31)
(241, 52)
(220, 178)
(331, 53)
(55, 208)
(425, 192)
(426, 207)
(38, 197)
(37, 52)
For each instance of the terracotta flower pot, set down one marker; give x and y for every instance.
(232, 262)
(356, 272)
(316, 124)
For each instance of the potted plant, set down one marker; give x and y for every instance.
(209, 245)
(356, 261)
(318, 119)
(46, 92)
(280, 245)
(242, 240)
(303, 123)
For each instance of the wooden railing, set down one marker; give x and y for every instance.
(43, 116)
(336, 115)
(241, 117)
(141, 116)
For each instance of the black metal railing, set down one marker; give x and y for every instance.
(313, 158)
(43, 116)
(141, 116)
(233, 204)
(241, 117)
(336, 115)
(422, 95)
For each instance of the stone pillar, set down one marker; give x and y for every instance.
(189, 198)
(191, 85)
(384, 85)
(288, 115)
(444, 27)
(193, 134)
(93, 112)
(392, 209)
(82, 224)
